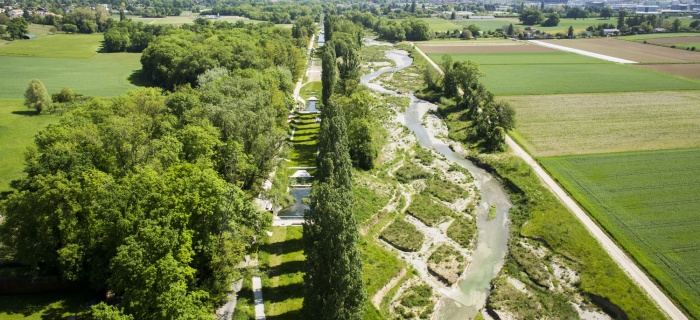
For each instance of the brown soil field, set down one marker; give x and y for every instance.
(691, 71)
(674, 40)
(491, 48)
(644, 53)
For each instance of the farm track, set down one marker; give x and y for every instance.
(617, 254)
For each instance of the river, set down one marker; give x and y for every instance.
(464, 300)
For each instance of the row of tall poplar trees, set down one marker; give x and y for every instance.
(333, 280)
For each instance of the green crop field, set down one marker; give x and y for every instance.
(520, 58)
(648, 201)
(441, 25)
(528, 79)
(599, 123)
(564, 23)
(17, 128)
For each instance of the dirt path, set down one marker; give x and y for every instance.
(625, 262)
(379, 296)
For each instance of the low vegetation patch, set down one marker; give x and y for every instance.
(446, 263)
(410, 172)
(424, 156)
(428, 210)
(415, 303)
(492, 213)
(445, 190)
(462, 231)
(403, 236)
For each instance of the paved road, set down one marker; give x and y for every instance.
(615, 252)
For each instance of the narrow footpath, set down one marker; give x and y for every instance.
(258, 297)
(625, 262)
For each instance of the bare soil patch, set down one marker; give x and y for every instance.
(635, 51)
(691, 71)
(515, 47)
(674, 40)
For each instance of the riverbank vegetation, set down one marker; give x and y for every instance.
(539, 216)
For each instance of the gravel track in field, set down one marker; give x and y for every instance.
(630, 50)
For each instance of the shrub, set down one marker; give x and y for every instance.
(462, 231)
(445, 190)
(424, 156)
(425, 209)
(418, 296)
(403, 236)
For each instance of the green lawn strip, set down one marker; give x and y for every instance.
(427, 210)
(18, 125)
(648, 202)
(282, 262)
(311, 89)
(587, 78)
(37, 306)
(304, 144)
(513, 58)
(403, 236)
(685, 45)
(539, 215)
(55, 46)
(104, 74)
(245, 301)
(462, 231)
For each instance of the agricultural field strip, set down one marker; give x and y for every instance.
(582, 52)
(571, 124)
(631, 50)
(615, 252)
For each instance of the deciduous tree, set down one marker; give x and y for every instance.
(17, 28)
(36, 96)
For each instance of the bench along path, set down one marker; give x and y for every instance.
(625, 262)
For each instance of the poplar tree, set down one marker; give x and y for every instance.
(333, 287)
(328, 73)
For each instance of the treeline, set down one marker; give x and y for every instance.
(182, 55)
(279, 13)
(333, 282)
(461, 88)
(130, 36)
(392, 30)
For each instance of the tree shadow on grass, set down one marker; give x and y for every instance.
(138, 78)
(30, 113)
(289, 315)
(280, 248)
(289, 267)
(283, 293)
(53, 305)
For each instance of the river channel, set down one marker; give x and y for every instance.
(468, 296)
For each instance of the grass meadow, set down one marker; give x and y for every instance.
(54, 46)
(311, 89)
(648, 201)
(599, 123)
(17, 128)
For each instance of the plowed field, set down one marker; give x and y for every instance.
(639, 52)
